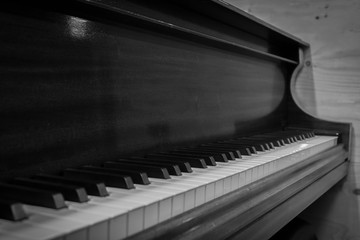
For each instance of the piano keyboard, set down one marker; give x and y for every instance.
(118, 212)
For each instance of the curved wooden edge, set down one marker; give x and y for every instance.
(294, 78)
(302, 118)
(224, 216)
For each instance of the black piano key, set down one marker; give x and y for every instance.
(137, 176)
(311, 134)
(269, 142)
(302, 135)
(151, 171)
(32, 196)
(287, 140)
(194, 162)
(271, 145)
(281, 136)
(70, 192)
(285, 136)
(292, 134)
(237, 150)
(95, 188)
(241, 147)
(283, 143)
(233, 153)
(209, 160)
(292, 140)
(283, 140)
(297, 135)
(307, 134)
(258, 145)
(218, 157)
(248, 143)
(265, 144)
(230, 154)
(184, 166)
(12, 210)
(111, 180)
(276, 142)
(172, 168)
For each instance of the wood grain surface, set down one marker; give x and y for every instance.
(84, 88)
(332, 28)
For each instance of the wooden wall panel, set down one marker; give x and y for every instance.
(332, 27)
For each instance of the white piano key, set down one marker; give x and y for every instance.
(219, 188)
(209, 192)
(149, 194)
(96, 218)
(183, 201)
(227, 185)
(248, 176)
(141, 195)
(200, 195)
(123, 217)
(151, 215)
(148, 200)
(27, 230)
(77, 235)
(178, 204)
(189, 201)
(94, 222)
(134, 209)
(118, 227)
(99, 231)
(114, 214)
(165, 209)
(59, 238)
(10, 236)
(135, 221)
(68, 227)
(235, 180)
(112, 202)
(242, 179)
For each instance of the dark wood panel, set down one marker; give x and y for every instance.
(80, 90)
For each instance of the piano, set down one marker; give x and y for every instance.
(156, 120)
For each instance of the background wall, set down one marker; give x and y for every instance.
(332, 27)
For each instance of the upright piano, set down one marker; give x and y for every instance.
(160, 119)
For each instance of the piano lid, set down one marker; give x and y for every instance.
(86, 81)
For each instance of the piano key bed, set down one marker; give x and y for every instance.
(124, 197)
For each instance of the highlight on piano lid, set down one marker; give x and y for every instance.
(156, 120)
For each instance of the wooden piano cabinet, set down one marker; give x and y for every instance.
(86, 81)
